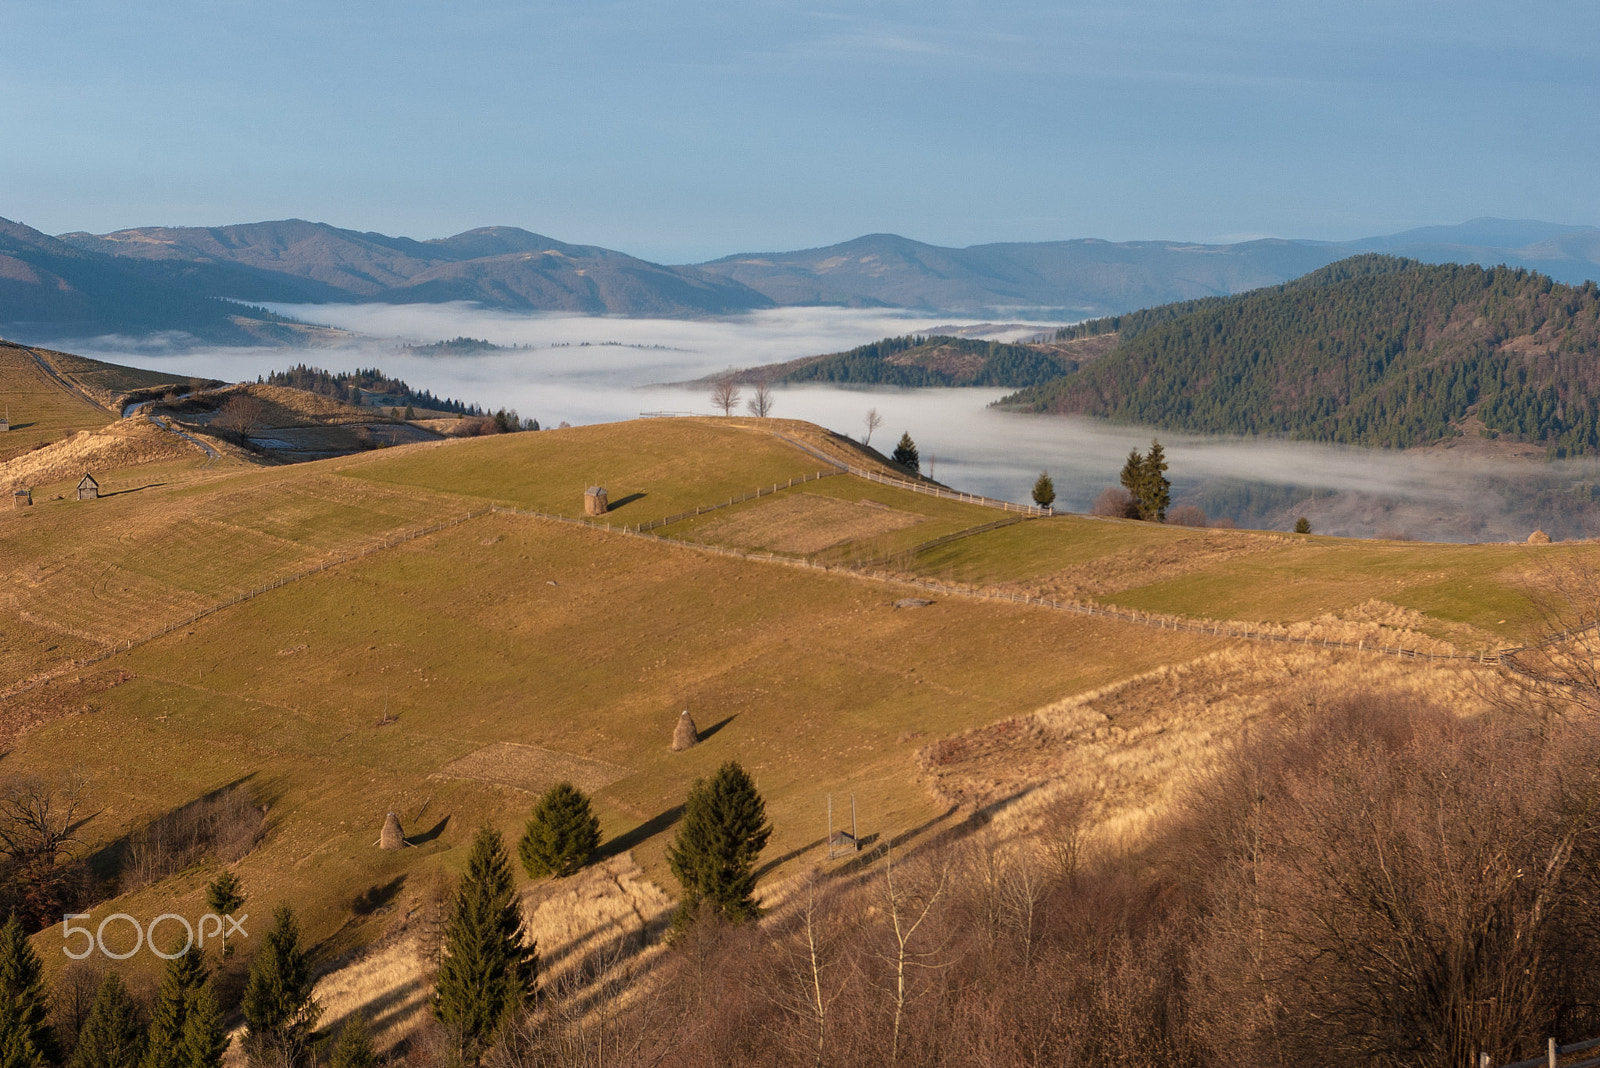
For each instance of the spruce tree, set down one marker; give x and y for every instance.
(112, 1036)
(205, 1040)
(1044, 490)
(714, 856)
(488, 973)
(185, 974)
(25, 1036)
(1155, 490)
(1133, 478)
(278, 1007)
(225, 896)
(354, 1048)
(563, 833)
(905, 453)
(1302, 525)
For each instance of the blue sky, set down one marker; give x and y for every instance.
(681, 131)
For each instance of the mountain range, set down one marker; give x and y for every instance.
(181, 280)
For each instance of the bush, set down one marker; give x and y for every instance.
(1115, 502)
(226, 825)
(562, 835)
(1187, 515)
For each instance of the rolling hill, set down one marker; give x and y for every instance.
(916, 361)
(1372, 351)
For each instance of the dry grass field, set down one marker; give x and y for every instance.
(42, 410)
(450, 677)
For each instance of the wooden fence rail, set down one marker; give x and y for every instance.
(638, 528)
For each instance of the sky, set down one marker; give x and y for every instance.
(692, 129)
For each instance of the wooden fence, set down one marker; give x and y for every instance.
(1551, 1058)
(638, 528)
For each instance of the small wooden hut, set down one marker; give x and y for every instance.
(684, 735)
(391, 837)
(22, 498)
(594, 501)
(5, 420)
(88, 489)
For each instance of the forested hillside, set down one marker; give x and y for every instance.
(916, 361)
(1371, 351)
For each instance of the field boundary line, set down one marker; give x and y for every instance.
(113, 648)
(935, 543)
(1123, 615)
(917, 487)
(639, 528)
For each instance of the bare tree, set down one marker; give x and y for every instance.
(41, 820)
(874, 421)
(241, 414)
(760, 404)
(906, 904)
(725, 395)
(807, 958)
(1560, 673)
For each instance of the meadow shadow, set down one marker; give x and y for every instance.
(620, 501)
(642, 833)
(717, 726)
(429, 835)
(377, 896)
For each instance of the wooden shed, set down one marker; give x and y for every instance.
(88, 489)
(594, 501)
(22, 498)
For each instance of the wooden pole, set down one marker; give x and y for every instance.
(1552, 1048)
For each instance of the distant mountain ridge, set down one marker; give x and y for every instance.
(167, 279)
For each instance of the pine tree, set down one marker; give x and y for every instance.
(411, 413)
(111, 1036)
(25, 1036)
(1302, 525)
(354, 1048)
(185, 974)
(1044, 490)
(205, 1040)
(905, 454)
(714, 856)
(1155, 490)
(1133, 477)
(278, 1007)
(562, 835)
(488, 973)
(225, 896)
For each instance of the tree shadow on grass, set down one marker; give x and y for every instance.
(640, 834)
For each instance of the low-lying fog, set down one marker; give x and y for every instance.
(586, 370)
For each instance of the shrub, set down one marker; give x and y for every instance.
(1115, 502)
(1187, 515)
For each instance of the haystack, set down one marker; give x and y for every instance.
(684, 735)
(594, 501)
(392, 836)
(1538, 537)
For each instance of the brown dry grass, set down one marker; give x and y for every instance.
(125, 444)
(1136, 747)
(804, 523)
(532, 769)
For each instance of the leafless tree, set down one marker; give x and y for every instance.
(760, 404)
(725, 395)
(806, 955)
(874, 421)
(906, 903)
(241, 414)
(1560, 672)
(41, 820)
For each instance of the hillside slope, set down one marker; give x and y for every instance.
(917, 361)
(1385, 353)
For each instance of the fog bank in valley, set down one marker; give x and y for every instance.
(586, 370)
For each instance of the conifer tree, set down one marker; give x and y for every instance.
(905, 453)
(1133, 476)
(1044, 490)
(563, 833)
(714, 856)
(184, 975)
(1155, 494)
(112, 1036)
(225, 896)
(278, 1007)
(354, 1048)
(488, 973)
(25, 1036)
(1302, 525)
(204, 1038)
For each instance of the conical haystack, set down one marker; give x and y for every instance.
(1538, 537)
(684, 736)
(392, 837)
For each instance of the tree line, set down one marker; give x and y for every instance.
(895, 361)
(346, 386)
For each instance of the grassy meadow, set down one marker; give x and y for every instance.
(348, 694)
